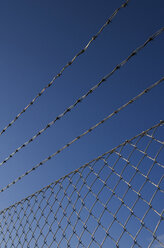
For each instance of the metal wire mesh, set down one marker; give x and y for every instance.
(115, 201)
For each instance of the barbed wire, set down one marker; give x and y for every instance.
(79, 100)
(67, 65)
(83, 134)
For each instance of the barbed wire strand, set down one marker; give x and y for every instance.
(67, 65)
(134, 52)
(160, 123)
(84, 133)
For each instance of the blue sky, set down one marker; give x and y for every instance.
(37, 39)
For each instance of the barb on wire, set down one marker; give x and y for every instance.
(79, 100)
(73, 210)
(67, 65)
(84, 133)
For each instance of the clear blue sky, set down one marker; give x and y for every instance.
(37, 38)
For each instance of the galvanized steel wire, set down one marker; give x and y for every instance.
(67, 65)
(98, 204)
(83, 134)
(79, 100)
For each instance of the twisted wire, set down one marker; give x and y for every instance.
(84, 133)
(67, 65)
(79, 100)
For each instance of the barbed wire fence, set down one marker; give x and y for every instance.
(94, 37)
(90, 91)
(34, 168)
(113, 201)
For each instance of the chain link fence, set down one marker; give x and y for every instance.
(113, 201)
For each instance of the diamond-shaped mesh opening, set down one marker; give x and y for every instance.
(115, 201)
